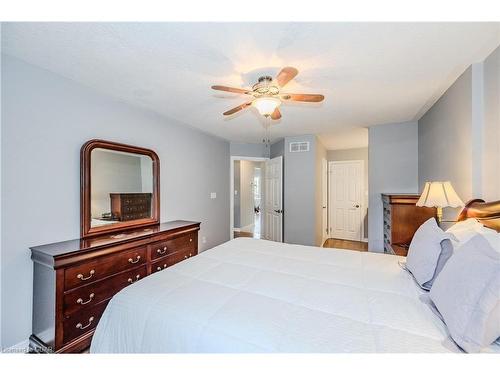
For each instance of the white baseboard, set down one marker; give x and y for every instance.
(236, 229)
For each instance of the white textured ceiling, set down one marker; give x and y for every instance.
(370, 73)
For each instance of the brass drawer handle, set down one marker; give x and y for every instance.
(188, 256)
(130, 260)
(131, 281)
(159, 251)
(81, 277)
(190, 240)
(81, 326)
(80, 301)
(159, 268)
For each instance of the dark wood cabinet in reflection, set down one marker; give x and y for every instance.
(130, 206)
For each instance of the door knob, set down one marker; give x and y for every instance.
(278, 211)
(357, 206)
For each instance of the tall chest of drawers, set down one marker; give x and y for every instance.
(401, 218)
(130, 206)
(73, 281)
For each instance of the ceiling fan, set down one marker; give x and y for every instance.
(267, 94)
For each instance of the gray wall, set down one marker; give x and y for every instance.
(45, 120)
(355, 154)
(277, 149)
(459, 137)
(444, 138)
(491, 134)
(300, 189)
(393, 168)
(258, 150)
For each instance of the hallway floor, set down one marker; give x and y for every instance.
(255, 230)
(346, 244)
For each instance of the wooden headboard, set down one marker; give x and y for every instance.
(487, 214)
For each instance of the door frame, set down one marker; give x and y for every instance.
(325, 180)
(364, 200)
(231, 187)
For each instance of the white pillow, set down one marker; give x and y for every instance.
(464, 231)
(467, 295)
(426, 252)
(492, 236)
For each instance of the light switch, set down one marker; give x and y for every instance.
(213, 195)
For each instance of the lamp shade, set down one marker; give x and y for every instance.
(439, 194)
(266, 105)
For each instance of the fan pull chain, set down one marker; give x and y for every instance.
(266, 140)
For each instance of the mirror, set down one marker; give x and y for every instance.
(119, 187)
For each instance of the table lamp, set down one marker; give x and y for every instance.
(439, 194)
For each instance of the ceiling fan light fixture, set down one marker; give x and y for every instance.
(266, 105)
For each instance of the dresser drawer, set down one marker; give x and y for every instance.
(182, 243)
(171, 259)
(86, 273)
(83, 321)
(96, 292)
(159, 265)
(179, 257)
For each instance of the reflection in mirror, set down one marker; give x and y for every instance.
(121, 186)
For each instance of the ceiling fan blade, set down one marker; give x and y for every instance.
(235, 90)
(238, 108)
(303, 97)
(286, 75)
(276, 115)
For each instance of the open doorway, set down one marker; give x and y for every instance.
(347, 199)
(248, 198)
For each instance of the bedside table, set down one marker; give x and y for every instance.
(400, 249)
(401, 219)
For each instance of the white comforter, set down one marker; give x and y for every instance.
(252, 295)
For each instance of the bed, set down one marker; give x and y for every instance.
(250, 295)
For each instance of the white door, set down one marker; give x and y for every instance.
(273, 219)
(324, 200)
(346, 187)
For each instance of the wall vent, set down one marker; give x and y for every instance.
(299, 146)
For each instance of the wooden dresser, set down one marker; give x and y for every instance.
(401, 220)
(74, 280)
(130, 206)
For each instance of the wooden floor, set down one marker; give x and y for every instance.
(346, 244)
(244, 234)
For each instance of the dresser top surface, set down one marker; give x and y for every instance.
(70, 246)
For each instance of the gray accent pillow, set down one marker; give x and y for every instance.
(467, 295)
(446, 253)
(429, 251)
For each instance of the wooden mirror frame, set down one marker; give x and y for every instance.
(85, 188)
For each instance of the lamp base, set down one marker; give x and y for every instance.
(439, 215)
